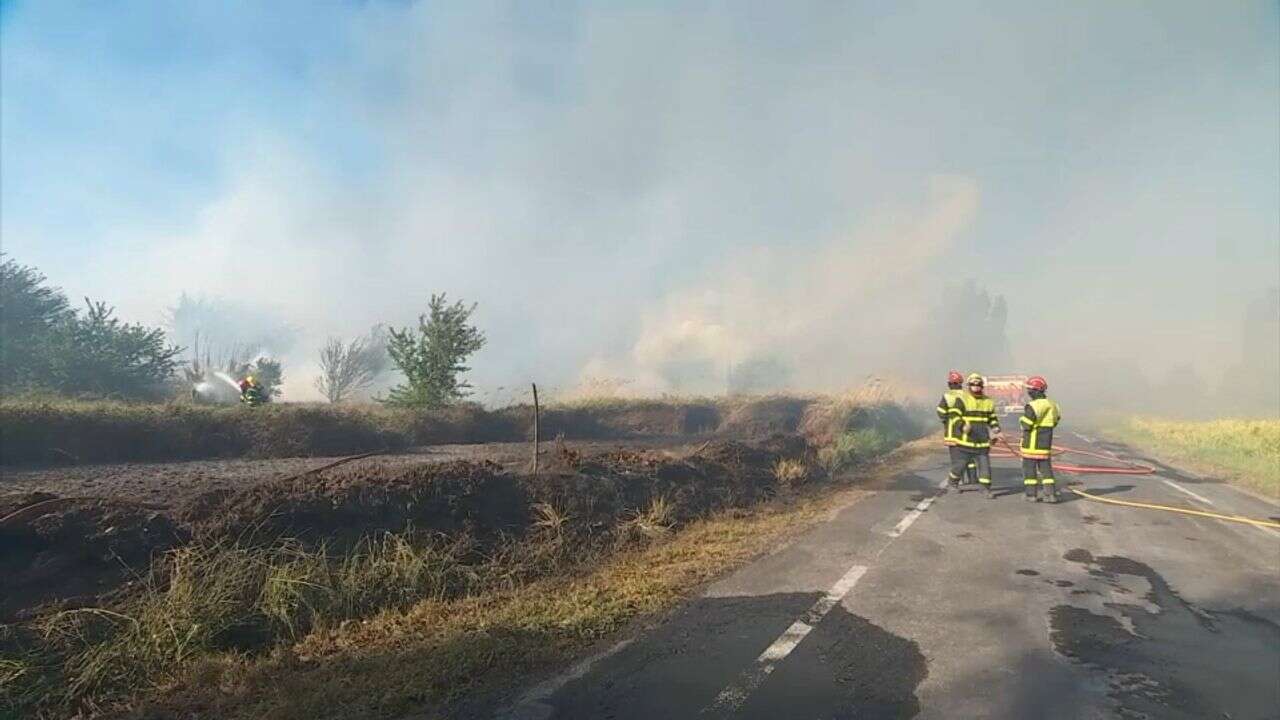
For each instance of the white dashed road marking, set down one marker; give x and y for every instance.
(912, 516)
(732, 697)
(1181, 489)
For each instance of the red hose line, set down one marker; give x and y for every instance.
(1129, 468)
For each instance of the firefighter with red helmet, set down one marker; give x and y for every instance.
(1040, 416)
(950, 415)
(979, 425)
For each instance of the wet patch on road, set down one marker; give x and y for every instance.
(1078, 555)
(1093, 520)
(845, 667)
(1167, 658)
(1028, 573)
(965, 535)
(848, 667)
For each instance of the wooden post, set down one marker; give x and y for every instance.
(535, 429)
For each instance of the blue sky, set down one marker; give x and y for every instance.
(616, 182)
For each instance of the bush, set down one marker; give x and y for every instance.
(432, 358)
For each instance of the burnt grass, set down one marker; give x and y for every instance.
(84, 550)
(88, 551)
(472, 526)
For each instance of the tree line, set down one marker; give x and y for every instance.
(48, 346)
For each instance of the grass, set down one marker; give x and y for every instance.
(399, 623)
(1245, 452)
(440, 650)
(202, 601)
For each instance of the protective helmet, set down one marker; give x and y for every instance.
(975, 379)
(249, 379)
(955, 378)
(1037, 383)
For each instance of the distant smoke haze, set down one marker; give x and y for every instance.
(683, 198)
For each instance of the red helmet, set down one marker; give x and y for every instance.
(1037, 383)
(955, 378)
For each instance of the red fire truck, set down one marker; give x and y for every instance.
(1009, 393)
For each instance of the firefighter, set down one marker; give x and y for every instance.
(251, 392)
(1039, 418)
(949, 415)
(979, 425)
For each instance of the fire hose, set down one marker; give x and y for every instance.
(1004, 450)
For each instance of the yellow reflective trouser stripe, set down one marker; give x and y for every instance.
(1029, 481)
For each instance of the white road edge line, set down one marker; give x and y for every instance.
(1181, 489)
(732, 697)
(914, 515)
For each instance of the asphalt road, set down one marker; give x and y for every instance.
(909, 603)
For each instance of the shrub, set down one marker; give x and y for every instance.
(852, 447)
(432, 358)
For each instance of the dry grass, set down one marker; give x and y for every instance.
(1246, 452)
(206, 601)
(790, 473)
(439, 651)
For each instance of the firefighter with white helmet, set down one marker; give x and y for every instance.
(979, 425)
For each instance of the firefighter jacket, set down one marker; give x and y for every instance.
(252, 396)
(949, 414)
(977, 420)
(1038, 420)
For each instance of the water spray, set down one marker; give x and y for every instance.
(228, 380)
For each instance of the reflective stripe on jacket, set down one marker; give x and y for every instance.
(949, 415)
(977, 419)
(1038, 420)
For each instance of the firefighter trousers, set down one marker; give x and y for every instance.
(970, 466)
(1033, 467)
(962, 457)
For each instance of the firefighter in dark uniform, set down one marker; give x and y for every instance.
(949, 414)
(979, 425)
(1039, 418)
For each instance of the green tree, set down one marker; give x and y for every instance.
(94, 353)
(30, 311)
(432, 355)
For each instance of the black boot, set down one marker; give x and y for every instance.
(1029, 493)
(1050, 494)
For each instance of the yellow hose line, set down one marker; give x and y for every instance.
(1170, 508)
